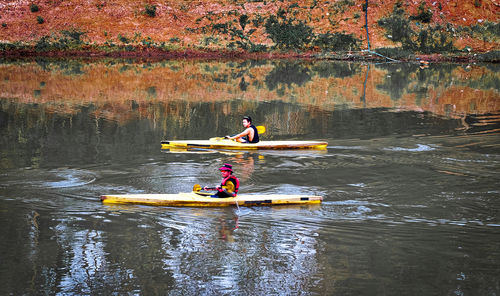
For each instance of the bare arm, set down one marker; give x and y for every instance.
(248, 132)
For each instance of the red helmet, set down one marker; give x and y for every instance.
(226, 167)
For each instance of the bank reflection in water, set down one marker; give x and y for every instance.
(114, 86)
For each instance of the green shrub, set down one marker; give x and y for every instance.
(207, 40)
(258, 21)
(337, 41)
(342, 5)
(424, 14)
(433, 39)
(257, 48)
(231, 45)
(40, 20)
(485, 28)
(398, 27)
(129, 47)
(123, 39)
(65, 40)
(288, 33)
(9, 46)
(395, 52)
(243, 21)
(427, 40)
(221, 28)
(240, 35)
(43, 44)
(150, 10)
(74, 34)
(148, 42)
(34, 7)
(493, 28)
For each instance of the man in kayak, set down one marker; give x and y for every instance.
(249, 135)
(229, 185)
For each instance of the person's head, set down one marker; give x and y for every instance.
(247, 121)
(226, 170)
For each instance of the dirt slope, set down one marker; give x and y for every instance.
(190, 24)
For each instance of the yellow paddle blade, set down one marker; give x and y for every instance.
(196, 187)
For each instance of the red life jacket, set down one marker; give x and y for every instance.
(235, 181)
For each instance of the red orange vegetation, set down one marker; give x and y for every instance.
(186, 25)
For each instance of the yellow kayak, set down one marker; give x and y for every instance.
(203, 199)
(221, 143)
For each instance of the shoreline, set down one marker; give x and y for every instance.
(161, 54)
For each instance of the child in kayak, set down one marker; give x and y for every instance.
(249, 135)
(229, 185)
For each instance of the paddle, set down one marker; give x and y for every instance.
(260, 129)
(198, 188)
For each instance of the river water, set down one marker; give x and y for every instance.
(410, 178)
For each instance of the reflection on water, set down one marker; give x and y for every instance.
(409, 178)
(114, 87)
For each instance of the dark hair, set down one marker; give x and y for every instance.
(248, 118)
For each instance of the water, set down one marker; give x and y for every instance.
(410, 178)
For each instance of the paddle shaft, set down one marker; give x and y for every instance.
(197, 188)
(260, 129)
(209, 188)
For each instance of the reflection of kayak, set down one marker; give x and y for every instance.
(192, 199)
(230, 144)
(262, 152)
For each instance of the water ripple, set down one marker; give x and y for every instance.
(70, 178)
(420, 148)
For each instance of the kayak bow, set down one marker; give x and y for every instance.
(202, 199)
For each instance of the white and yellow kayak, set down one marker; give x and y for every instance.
(221, 143)
(203, 199)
